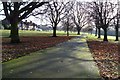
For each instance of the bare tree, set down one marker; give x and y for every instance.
(14, 13)
(67, 22)
(117, 22)
(56, 13)
(79, 16)
(97, 21)
(104, 15)
(68, 25)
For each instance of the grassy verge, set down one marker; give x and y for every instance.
(94, 38)
(6, 33)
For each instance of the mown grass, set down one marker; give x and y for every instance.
(91, 37)
(6, 33)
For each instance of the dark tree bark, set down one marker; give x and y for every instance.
(99, 33)
(54, 31)
(67, 30)
(14, 33)
(96, 31)
(117, 29)
(78, 33)
(116, 32)
(105, 34)
(78, 30)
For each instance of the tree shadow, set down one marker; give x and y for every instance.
(54, 59)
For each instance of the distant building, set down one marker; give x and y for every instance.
(44, 27)
(25, 25)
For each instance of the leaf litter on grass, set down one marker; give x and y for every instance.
(107, 57)
(28, 45)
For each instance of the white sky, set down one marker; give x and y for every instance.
(37, 21)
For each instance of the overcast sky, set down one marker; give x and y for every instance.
(38, 21)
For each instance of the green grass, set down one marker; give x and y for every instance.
(93, 37)
(6, 33)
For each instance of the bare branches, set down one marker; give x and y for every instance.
(56, 11)
(79, 15)
(39, 11)
(29, 8)
(104, 12)
(6, 10)
(13, 9)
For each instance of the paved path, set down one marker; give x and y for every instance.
(70, 59)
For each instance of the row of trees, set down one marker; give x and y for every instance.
(69, 14)
(106, 14)
(102, 14)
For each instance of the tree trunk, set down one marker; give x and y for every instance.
(78, 32)
(105, 34)
(116, 32)
(14, 33)
(96, 32)
(67, 30)
(99, 33)
(78, 29)
(54, 31)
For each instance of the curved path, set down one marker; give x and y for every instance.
(70, 59)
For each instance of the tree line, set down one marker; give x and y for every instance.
(98, 14)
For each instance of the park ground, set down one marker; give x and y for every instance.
(105, 54)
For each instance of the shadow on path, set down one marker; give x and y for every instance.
(70, 59)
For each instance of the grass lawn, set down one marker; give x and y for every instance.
(6, 33)
(93, 37)
(106, 55)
